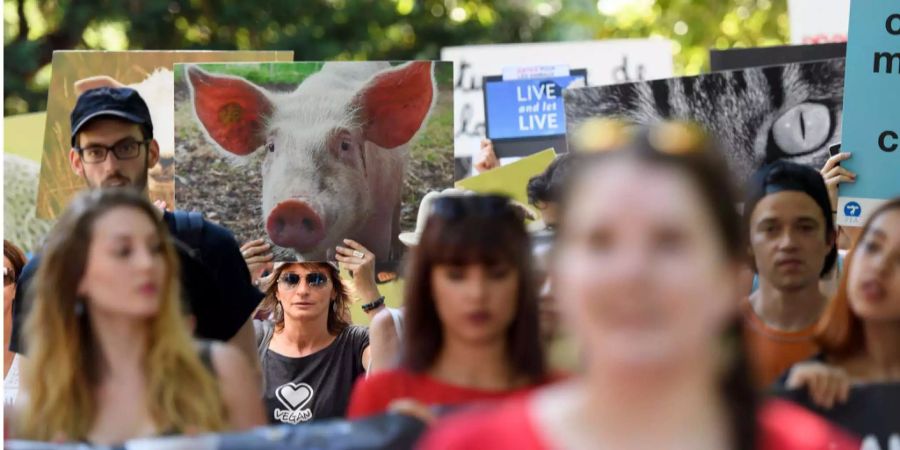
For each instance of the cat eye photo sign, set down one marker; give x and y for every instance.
(758, 115)
(871, 128)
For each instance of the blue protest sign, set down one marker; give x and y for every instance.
(527, 108)
(871, 129)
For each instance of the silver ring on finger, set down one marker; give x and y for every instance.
(358, 254)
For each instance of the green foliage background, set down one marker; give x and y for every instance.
(364, 29)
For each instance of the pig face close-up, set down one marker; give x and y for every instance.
(336, 149)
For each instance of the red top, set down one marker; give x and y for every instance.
(783, 426)
(373, 394)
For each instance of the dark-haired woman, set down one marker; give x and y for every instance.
(13, 262)
(646, 263)
(471, 321)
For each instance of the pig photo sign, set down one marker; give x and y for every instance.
(308, 154)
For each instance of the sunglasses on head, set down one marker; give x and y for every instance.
(313, 279)
(9, 276)
(674, 138)
(459, 206)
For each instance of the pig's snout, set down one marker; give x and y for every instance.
(294, 224)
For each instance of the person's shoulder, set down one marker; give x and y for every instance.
(507, 425)
(355, 333)
(372, 394)
(785, 425)
(383, 322)
(217, 236)
(262, 326)
(212, 234)
(391, 377)
(225, 359)
(31, 266)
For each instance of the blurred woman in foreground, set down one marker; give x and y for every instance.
(110, 354)
(646, 264)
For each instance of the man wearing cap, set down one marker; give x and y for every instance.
(791, 236)
(113, 146)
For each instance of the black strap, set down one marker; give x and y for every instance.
(264, 330)
(205, 353)
(189, 229)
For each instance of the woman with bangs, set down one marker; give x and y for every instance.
(471, 319)
(111, 356)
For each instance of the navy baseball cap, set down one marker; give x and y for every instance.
(123, 102)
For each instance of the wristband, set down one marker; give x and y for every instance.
(378, 302)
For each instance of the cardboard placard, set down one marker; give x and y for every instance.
(511, 179)
(818, 21)
(607, 62)
(527, 108)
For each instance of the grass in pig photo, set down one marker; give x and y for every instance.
(149, 73)
(307, 154)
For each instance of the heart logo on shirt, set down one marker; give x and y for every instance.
(294, 395)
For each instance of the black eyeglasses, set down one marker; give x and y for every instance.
(9, 276)
(456, 207)
(96, 153)
(313, 279)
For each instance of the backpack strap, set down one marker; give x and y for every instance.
(189, 229)
(204, 350)
(264, 330)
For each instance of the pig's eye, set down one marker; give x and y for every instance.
(270, 147)
(345, 145)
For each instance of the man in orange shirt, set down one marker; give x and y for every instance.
(791, 235)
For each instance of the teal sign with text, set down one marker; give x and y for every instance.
(871, 117)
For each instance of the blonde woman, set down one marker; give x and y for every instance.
(110, 354)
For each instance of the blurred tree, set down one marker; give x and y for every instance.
(363, 29)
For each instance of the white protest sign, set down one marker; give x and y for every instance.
(818, 21)
(529, 72)
(607, 62)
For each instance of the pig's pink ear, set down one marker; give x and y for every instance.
(395, 103)
(86, 84)
(232, 110)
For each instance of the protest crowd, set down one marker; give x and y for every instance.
(651, 281)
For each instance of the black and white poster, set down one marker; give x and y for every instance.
(758, 115)
(872, 413)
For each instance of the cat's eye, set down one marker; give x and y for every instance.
(802, 129)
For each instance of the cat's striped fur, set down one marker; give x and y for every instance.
(740, 108)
